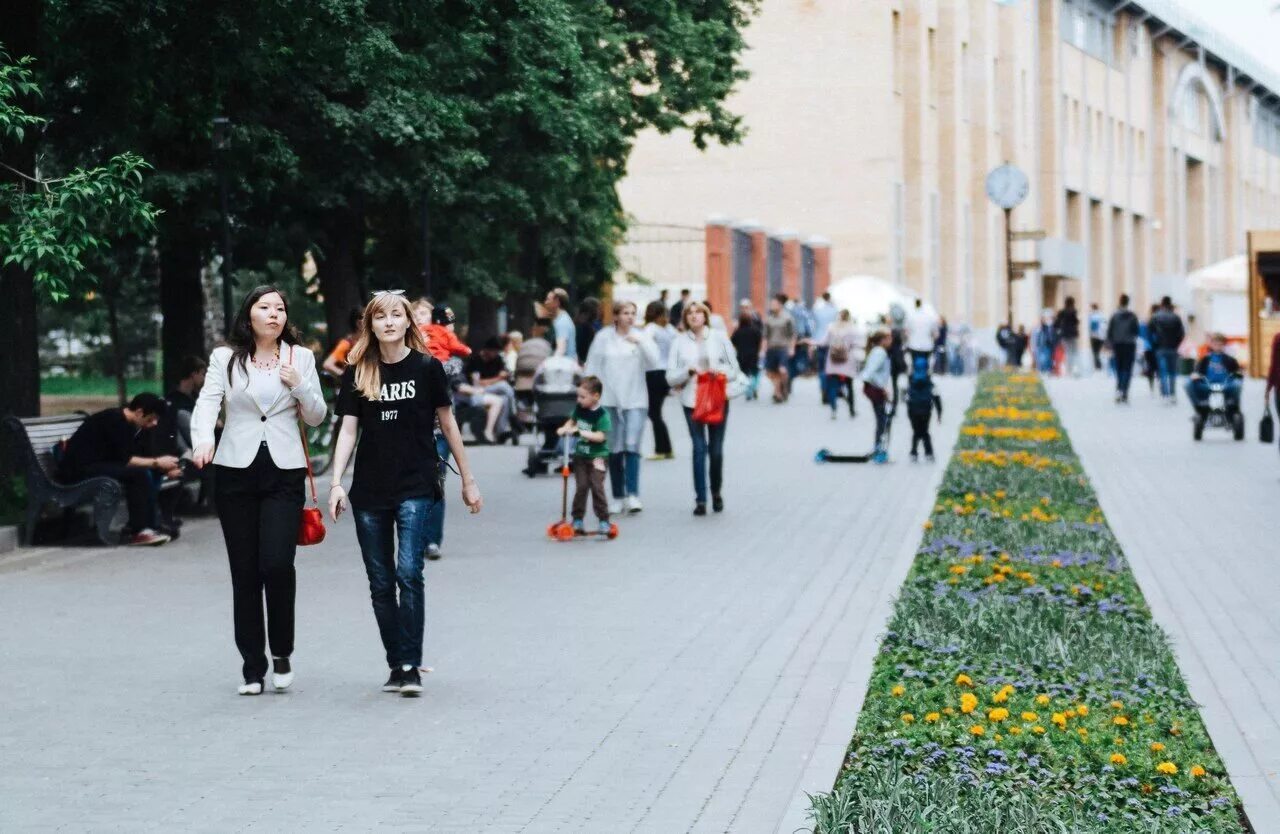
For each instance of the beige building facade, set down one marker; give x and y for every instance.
(1151, 146)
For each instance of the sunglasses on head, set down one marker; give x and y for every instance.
(380, 293)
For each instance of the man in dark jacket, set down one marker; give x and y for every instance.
(1167, 333)
(1067, 324)
(1122, 335)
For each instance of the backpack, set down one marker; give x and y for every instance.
(920, 386)
(839, 350)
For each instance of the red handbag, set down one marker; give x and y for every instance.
(710, 399)
(311, 521)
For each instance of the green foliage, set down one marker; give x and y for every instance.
(51, 226)
(1022, 685)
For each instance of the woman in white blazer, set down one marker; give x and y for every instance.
(700, 347)
(266, 380)
(618, 357)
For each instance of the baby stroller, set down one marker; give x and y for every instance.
(555, 394)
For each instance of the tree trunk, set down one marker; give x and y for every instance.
(339, 273)
(19, 343)
(117, 349)
(482, 320)
(181, 299)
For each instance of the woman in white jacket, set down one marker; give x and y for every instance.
(699, 347)
(266, 379)
(619, 356)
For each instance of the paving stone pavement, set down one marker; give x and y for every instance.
(1199, 524)
(693, 675)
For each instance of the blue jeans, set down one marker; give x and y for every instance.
(1167, 362)
(624, 446)
(820, 363)
(435, 517)
(833, 385)
(708, 442)
(391, 568)
(1198, 392)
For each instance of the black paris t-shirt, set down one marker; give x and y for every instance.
(396, 457)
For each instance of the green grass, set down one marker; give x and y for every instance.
(1022, 686)
(94, 386)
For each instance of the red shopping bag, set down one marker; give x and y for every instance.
(710, 399)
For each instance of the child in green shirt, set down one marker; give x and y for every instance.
(590, 462)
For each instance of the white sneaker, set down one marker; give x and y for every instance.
(632, 504)
(615, 507)
(254, 688)
(282, 673)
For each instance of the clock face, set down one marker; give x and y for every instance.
(1007, 186)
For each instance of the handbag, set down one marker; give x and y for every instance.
(1267, 426)
(311, 520)
(710, 399)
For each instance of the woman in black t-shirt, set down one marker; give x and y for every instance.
(393, 391)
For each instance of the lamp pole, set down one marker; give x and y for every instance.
(221, 143)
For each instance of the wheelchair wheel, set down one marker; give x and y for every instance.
(1197, 427)
(1237, 425)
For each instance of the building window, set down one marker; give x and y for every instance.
(1191, 109)
(896, 68)
(935, 249)
(899, 233)
(1266, 130)
(1089, 26)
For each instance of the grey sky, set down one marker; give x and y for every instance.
(1250, 23)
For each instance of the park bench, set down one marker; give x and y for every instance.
(33, 440)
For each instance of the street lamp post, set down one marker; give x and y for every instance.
(221, 144)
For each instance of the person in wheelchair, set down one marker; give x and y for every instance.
(1216, 367)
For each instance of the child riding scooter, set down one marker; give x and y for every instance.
(1214, 390)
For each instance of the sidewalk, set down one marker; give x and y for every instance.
(1200, 523)
(680, 678)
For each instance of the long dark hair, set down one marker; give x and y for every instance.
(240, 338)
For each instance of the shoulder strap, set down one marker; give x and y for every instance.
(306, 449)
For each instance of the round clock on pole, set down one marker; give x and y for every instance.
(1007, 187)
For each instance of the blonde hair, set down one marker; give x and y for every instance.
(696, 306)
(365, 356)
(619, 306)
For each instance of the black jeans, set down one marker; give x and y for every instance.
(920, 432)
(1124, 353)
(656, 382)
(259, 507)
(1096, 346)
(138, 492)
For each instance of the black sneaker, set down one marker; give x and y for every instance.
(699, 509)
(717, 504)
(410, 683)
(395, 682)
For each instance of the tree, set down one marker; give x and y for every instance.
(51, 228)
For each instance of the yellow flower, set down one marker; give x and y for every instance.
(977, 730)
(931, 718)
(1030, 716)
(1056, 563)
(1015, 731)
(1197, 771)
(907, 718)
(1120, 721)
(1000, 697)
(1083, 733)
(1059, 719)
(1117, 705)
(963, 680)
(1000, 493)
(948, 711)
(969, 498)
(1082, 709)
(1070, 713)
(968, 703)
(955, 580)
(1117, 740)
(1004, 557)
(958, 569)
(1042, 699)
(1167, 768)
(1118, 759)
(1038, 730)
(898, 691)
(998, 714)
(1156, 747)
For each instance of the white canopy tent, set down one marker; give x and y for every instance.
(867, 297)
(1218, 296)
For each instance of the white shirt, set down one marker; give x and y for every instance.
(249, 423)
(620, 364)
(922, 326)
(662, 336)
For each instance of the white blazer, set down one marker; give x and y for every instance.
(248, 424)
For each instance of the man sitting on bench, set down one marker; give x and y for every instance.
(105, 445)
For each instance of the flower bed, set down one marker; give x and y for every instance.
(1022, 685)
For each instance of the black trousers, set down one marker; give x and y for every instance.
(920, 432)
(259, 507)
(656, 382)
(137, 491)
